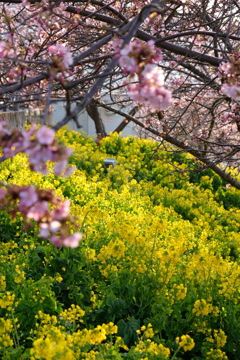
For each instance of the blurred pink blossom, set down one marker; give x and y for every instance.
(128, 64)
(2, 193)
(62, 211)
(60, 167)
(40, 149)
(28, 197)
(152, 74)
(73, 240)
(56, 241)
(63, 53)
(47, 228)
(5, 50)
(231, 90)
(37, 211)
(45, 135)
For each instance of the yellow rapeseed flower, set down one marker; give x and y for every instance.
(201, 307)
(186, 342)
(216, 354)
(220, 338)
(2, 282)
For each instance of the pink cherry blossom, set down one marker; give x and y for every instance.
(69, 171)
(153, 74)
(60, 167)
(34, 204)
(72, 240)
(148, 88)
(67, 58)
(162, 100)
(47, 228)
(9, 152)
(28, 197)
(54, 226)
(56, 241)
(62, 211)
(23, 142)
(52, 49)
(45, 135)
(231, 90)
(44, 230)
(224, 69)
(37, 211)
(2, 193)
(229, 72)
(5, 50)
(125, 51)
(64, 54)
(41, 146)
(151, 92)
(128, 64)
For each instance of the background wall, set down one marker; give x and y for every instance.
(111, 121)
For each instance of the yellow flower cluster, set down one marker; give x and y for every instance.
(216, 354)
(7, 300)
(6, 328)
(181, 291)
(53, 346)
(73, 314)
(45, 323)
(202, 307)
(57, 344)
(20, 274)
(148, 332)
(185, 342)
(115, 249)
(2, 282)
(219, 338)
(149, 348)
(91, 254)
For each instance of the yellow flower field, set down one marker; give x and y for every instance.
(156, 275)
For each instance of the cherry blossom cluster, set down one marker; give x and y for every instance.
(230, 73)
(231, 117)
(33, 204)
(5, 50)
(139, 60)
(134, 56)
(40, 145)
(62, 57)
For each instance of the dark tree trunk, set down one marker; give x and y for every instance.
(92, 110)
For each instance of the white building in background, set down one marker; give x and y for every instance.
(111, 121)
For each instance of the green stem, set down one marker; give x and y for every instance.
(15, 335)
(174, 355)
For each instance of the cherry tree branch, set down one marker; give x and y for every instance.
(127, 33)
